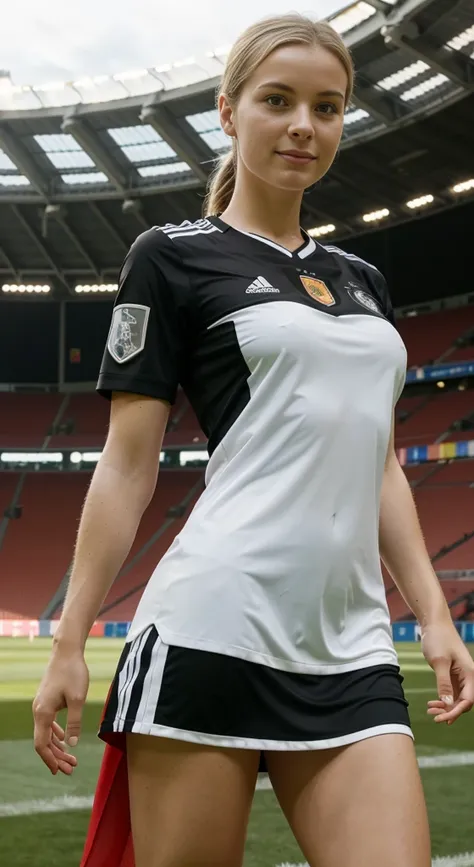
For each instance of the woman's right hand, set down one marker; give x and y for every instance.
(64, 685)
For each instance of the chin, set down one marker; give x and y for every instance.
(294, 185)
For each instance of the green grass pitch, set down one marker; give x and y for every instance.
(56, 839)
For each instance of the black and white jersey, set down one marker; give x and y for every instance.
(293, 366)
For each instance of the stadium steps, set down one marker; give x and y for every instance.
(29, 424)
(37, 549)
(430, 418)
(428, 337)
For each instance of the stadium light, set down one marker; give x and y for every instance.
(420, 202)
(85, 178)
(403, 75)
(31, 457)
(29, 288)
(424, 88)
(355, 116)
(193, 457)
(461, 40)
(14, 181)
(94, 457)
(96, 288)
(321, 230)
(352, 17)
(374, 216)
(463, 187)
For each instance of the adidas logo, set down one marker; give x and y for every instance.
(260, 285)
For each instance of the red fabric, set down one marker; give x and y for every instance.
(109, 838)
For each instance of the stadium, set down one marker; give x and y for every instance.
(88, 165)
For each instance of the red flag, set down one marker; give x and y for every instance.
(109, 838)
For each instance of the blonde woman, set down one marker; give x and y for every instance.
(263, 639)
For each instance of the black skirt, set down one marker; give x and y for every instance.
(219, 700)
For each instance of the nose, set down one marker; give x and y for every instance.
(301, 126)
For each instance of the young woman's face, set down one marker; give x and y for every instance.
(294, 101)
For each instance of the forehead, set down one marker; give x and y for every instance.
(302, 67)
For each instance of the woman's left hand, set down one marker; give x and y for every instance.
(453, 666)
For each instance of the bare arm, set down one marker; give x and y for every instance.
(404, 553)
(121, 489)
(402, 546)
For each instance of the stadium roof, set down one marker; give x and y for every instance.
(86, 165)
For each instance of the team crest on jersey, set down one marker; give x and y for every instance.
(364, 299)
(127, 331)
(318, 290)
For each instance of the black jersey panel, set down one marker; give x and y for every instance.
(217, 386)
(145, 351)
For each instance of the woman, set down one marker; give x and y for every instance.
(263, 638)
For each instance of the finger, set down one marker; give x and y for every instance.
(42, 738)
(73, 727)
(58, 730)
(65, 768)
(442, 670)
(450, 716)
(437, 707)
(59, 750)
(47, 756)
(64, 765)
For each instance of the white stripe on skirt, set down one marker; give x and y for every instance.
(128, 676)
(151, 687)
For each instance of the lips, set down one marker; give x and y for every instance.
(301, 155)
(299, 160)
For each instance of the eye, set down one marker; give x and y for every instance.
(328, 108)
(274, 96)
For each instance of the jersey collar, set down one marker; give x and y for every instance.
(307, 247)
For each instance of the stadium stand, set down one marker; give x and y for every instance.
(26, 418)
(432, 337)
(51, 502)
(426, 418)
(32, 572)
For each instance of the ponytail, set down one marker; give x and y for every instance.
(221, 184)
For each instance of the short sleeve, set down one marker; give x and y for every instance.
(385, 300)
(145, 342)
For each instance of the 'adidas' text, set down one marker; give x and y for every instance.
(261, 285)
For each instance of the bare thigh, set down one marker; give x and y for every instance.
(189, 803)
(361, 805)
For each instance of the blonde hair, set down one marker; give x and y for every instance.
(251, 48)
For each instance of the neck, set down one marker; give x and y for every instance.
(268, 211)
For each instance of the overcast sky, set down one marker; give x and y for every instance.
(57, 40)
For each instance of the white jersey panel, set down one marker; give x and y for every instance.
(278, 562)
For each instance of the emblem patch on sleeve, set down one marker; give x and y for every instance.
(365, 300)
(127, 331)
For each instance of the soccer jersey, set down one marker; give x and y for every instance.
(293, 366)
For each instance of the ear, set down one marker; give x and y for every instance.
(226, 114)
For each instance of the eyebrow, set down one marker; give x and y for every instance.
(278, 85)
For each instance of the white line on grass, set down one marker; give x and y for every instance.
(53, 805)
(448, 760)
(464, 860)
(74, 802)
